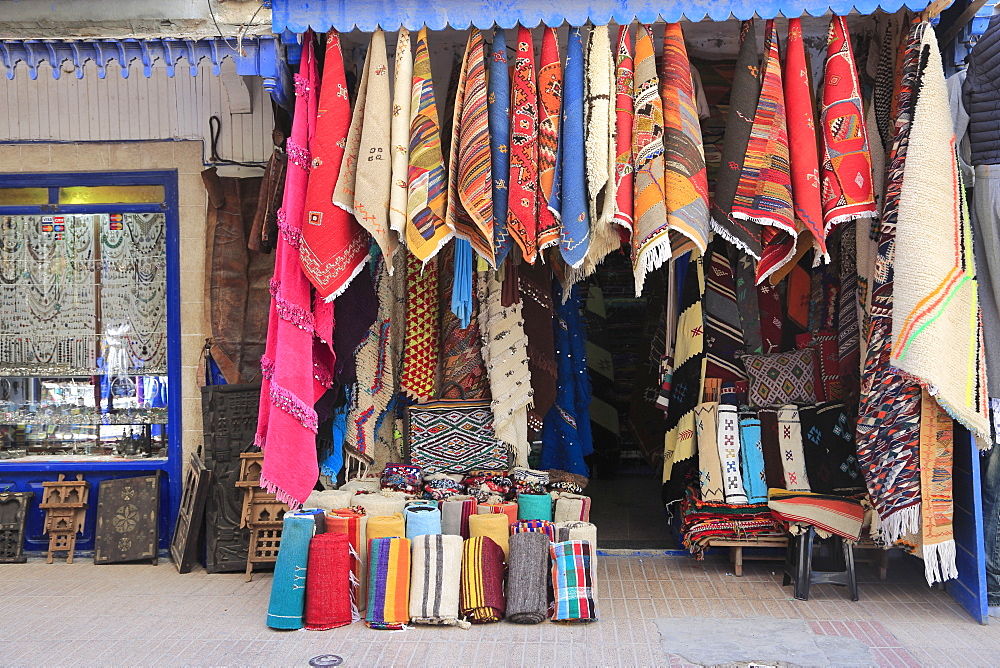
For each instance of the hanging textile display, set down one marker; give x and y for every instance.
(723, 337)
(333, 246)
(828, 446)
(505, 355)
(500, 142)
(936, 322)
(728, 444)
(600, 156)
(848, 331)
(463, 373)
(651, 234)
(803, 151)
(537, 308)
(470, 181)
(420, 357)
(706, 419)
(624, 111)
(287, 422)
(566, 437)
(743, 234)
(686, 180)
(399, 134)
(688, 377)
(570, 192)
(426, 230)
(550, 93)
(523, 196)
(363, 187)
(888, 433)
(846, 171)
(764, 192)
(747, 300)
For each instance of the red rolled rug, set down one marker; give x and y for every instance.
(328, 582)
(482, 592)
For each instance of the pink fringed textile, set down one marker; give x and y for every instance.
(286, 428)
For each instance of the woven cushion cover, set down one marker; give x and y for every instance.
(454, 437)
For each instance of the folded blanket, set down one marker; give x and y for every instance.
(435, 580)
(534, 507)
(528, 579)
(329, 603)
(330, 500)
(455, 511)
(422, 520)
(288, 587)
(571, 507)
(573, 581)
(493, 526)
(837, 514)
(393, 526)
(534, 526)
(482, 580)
(354, 525)
(388, 583)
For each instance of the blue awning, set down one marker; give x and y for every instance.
(367, 15)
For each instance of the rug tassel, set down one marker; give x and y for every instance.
(939, 562)
(650, 260)
(343, 288)
(891, 529)
(728, 236)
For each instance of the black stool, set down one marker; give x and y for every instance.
(799, 565)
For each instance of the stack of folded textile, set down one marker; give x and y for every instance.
(704, 520)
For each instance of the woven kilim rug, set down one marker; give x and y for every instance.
(550, 87)
(500, 142)
(402, 87)
(524, 197)
(624, 109)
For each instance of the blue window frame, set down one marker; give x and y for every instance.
(28, 475)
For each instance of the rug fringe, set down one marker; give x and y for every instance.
(770, 222)
(939, 562)
(833, 222)
(649, 260)
(347, 283)
(281, 495)
(728, 236)
(889, 530)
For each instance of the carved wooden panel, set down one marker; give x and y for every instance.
(229, 419)
(127, 513)
(13, 513)
(191, 515)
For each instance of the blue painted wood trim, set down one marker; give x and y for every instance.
(969, 590)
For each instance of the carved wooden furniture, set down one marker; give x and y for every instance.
(229, 421)
(190, 516)
(128, 511)
(13, 514)
(262, 513)
(65, 505)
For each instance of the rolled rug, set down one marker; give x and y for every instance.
(430, 503)
(319, 517)
(388, 583)
(494, 526)
(578, 531)
(354, 525)
(534, 526)
(330, 499)
(573, 581)
(377, 505)
(507, 508)
(329, 592)
(386, 527)
(372, 485)
(571, 507)
(534, 507)
(435, 580)
(455, 512)
(422, 520)
(482, 580)
(528, 578)
(288, 587)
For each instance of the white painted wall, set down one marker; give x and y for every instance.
(115, 109)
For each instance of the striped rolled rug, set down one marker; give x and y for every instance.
(455, 511)
(435, 580)
(528, 578)
(328, 585)
(288, 587)
(508, 508)
(534, 526)
(573, 581)
(494, 526)
(482, 580)
(572, 507)
(354, 525)
(388, 583)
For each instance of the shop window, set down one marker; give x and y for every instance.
(83, 324)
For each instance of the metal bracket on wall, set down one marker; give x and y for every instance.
(261, 56)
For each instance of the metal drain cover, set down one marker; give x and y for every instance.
(326, 660)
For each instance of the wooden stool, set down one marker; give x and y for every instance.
(799, 565)
(736, 555)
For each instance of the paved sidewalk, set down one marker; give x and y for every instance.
(655, 610)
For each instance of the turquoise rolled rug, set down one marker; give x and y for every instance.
(288, 587)
(534, 507)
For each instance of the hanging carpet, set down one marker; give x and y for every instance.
(723, 334)
(501, 144)
(570, 193)
(463, 372)
(399, 135)
(524, 199)
(624, 112)
(828, 445)
(550, 93)
(537, 308)
(420, 357)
